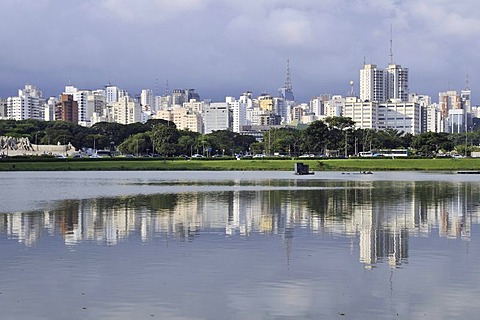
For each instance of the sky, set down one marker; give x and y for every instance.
(226, 47)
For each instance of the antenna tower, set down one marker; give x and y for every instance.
(467, 83)
(288, 80)
(167, 90)
(391, 45)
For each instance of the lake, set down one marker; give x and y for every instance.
(239, 245)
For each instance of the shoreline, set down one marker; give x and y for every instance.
(316, 165)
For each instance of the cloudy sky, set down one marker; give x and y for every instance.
(225, 47)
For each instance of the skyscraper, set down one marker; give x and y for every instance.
(372, 83)
(396, 83)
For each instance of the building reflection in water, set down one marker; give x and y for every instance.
(381, 214)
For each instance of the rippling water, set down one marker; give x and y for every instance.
(239, 245)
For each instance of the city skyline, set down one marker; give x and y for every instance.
(223, 48)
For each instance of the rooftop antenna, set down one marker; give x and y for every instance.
(156, 86)
(391, 45)
(467, 82)
(351, 93)
(364, 60)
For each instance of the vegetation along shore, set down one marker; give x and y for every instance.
(353, 164)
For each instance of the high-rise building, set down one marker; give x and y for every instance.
(396, 83)
(112, 93)
(180, 96)
(372, 83)
(378, 85)
(50, 109)
(66, 109)
(146, 98)
(216, 117)
(126, 111)
(29, 104)
(363, 112)
(239, 113)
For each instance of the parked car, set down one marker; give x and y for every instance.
(198, 156)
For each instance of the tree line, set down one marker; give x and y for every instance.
(162, 137)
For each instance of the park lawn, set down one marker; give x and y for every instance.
(387, 164)
(383, 164)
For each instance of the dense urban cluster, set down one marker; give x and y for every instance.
(385, 114)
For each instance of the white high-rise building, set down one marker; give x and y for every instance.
(363, 112)
(434, 119)
(29, 104)
(126, 111)
(216, 117)
(396, 83)
(400, 116)
(239, 113)
(112, 94)
(49, 113)
(146, 98)
(372, 83)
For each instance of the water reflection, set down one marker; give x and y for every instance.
(378, 215)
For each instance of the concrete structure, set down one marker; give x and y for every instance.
(49, 113)
(364, 113)
(216, 117)
(126, 111)
(66, 109)
(372, 83)
(456, 121)
(183, 118)
(146, 98)
(239, 113)
(29, 104)
(396, 83)
(180, 96)
(400, 116)
(433, 119)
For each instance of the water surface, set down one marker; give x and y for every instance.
(239, 245)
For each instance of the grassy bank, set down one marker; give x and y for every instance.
(226, 165)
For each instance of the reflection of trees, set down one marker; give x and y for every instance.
(382, 214)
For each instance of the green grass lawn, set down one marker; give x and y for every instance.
(219, 165)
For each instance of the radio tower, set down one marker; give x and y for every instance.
(288, 79)
(287, 91)
(167, 90)
(391, 45)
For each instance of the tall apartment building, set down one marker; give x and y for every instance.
(239, 113)
(372, 83)
(3, 108)
(396, 83)
(379, 85)
(49, 113)
(29, 104)
(126, 111)
(180, 96)
(66, 109)
(183, 118)
(146, 98)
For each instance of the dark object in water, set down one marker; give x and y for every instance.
(302, 169)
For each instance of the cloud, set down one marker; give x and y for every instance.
(234, 45)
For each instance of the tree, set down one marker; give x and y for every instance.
(139, 143)
(315, 138)
(187, 142)
(165, 139)
(428, 144)
(221, 140)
